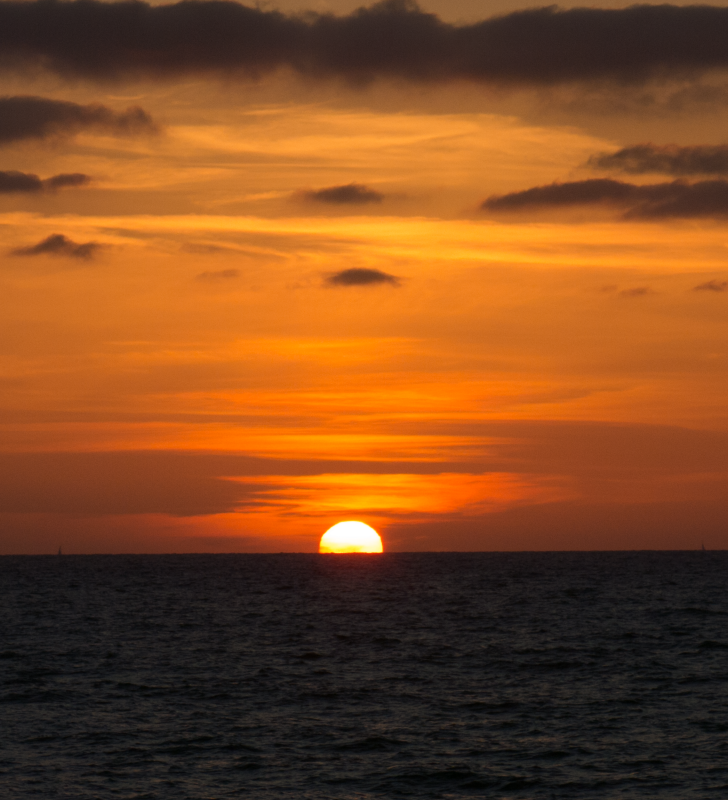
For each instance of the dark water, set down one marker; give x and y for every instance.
(548, 675)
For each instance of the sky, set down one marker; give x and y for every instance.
(456, 270)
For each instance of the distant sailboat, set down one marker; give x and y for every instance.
(703, 546)
(60, 552)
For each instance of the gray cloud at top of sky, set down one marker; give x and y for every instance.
(675, 199)
(670, 159)
(392, 39)
(26, 117)
(12, 182)
(349, 194)
(359, 276)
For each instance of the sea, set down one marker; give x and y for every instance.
(350, 677)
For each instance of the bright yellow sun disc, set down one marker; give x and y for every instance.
(350, 537)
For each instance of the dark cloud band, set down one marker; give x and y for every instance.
(39, 117)
(666, 160)
(349, 194)
(12, 182)
(712, 286)
(675, 199)
(161, 482)
(100, 40)
(59, 245)
(66, 180)
(218, 275)
(362, 277)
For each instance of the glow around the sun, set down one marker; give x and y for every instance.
(350, 537)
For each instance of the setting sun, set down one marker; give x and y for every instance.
(350, 537)
(328, 260)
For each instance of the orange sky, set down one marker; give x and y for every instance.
(219, 356)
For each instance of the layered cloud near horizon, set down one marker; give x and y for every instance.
(263, 271)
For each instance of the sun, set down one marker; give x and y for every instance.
(350, 537)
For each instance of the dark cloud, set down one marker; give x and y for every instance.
(358, 276)
(598, 190)
(349, 194)
(667, 159)
(59, 245)
(676, 199)
(66, 180)
(11, 182)
(712, 286)
(100, 40)
(221, 274)
(38, 117)
(637, 291)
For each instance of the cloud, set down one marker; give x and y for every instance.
(24, 118)
(712, 286)
(59, 245)
(221, 274)
(114, 483)
(669, 159)
(676, 199)
(12, 182)
(350, 194)
(66, 180)
(597, 190)
(394, 39)
(603, 461)
(180, 483)
(361, 277)
(637, 291)
(570, 526)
